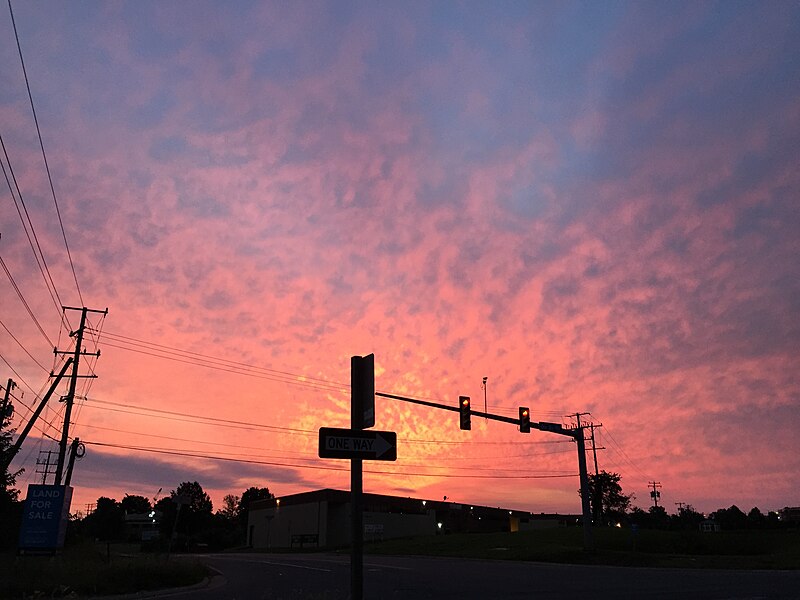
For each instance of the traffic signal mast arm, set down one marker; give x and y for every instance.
(551, 427)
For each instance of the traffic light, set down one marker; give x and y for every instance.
(463, 413)
(524, 419)
(362, 391)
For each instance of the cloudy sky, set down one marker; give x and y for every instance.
(594, 205)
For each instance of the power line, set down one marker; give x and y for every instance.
(304, 457)
(190, 354)
(23, 347)
(320, 467)
(252, 426)
(34, 242)
(157, 350)
(291, 380)
(24, 302)
(44, 154)
(619, 450)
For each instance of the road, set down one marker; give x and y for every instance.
(327, 577)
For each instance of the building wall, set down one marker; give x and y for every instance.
(274, 527)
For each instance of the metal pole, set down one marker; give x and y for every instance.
(356, 497)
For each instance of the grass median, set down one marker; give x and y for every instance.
(620, 547)
(93, 570)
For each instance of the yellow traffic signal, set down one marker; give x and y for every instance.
(464, 413)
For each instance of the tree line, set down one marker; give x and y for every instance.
(185, 516)
(610, 506)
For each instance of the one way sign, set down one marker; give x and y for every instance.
(352, 443)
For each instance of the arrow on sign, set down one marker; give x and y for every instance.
(354, 443)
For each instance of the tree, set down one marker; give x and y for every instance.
(250, 495)
(756, 519)
(607, 501)
(230, 508)
(730, 518)
(199, 501)
(688, 518)
(8, 494)
(659, 519)
(107, 521)
(196, 513)
(132, 505)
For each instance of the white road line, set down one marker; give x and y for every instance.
(275, 564)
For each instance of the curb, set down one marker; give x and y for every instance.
(215, 581)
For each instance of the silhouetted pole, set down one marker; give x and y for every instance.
(76, 450)
(70, 397)
(655, 494)
(598, 484)
(6, 461)
(9, 386)
(73, 382)
(588, 541)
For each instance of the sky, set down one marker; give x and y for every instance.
(593, 205)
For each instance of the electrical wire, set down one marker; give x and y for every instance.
(44, 154)
(34, 242)
(193, 358)
(23, 347)
(24, 302)
(321, 467)
(252, 426)
(299, 456)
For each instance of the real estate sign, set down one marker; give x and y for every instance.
(44, 518)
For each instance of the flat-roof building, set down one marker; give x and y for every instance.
(321, 519)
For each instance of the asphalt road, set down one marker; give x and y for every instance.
(327, 577)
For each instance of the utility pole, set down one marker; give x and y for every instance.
(76, 450)
(598, 484)
(588, 541)
(6, 460)
(9, 386)
(655, 494)
(45, 463)
(70, 397)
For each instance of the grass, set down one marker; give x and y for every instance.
(88, 570)
(621, 547)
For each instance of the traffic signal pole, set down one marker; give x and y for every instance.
(575, 433)
(362, 416)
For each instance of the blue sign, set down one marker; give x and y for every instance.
(45, 517)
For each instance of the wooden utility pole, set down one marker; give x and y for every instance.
(655, 494)
(73, 382)
(598, 484)
(6, 461)
(9, 386)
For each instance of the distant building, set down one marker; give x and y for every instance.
(709, 526)
(321, 519)
(142, 526)
(789, 514)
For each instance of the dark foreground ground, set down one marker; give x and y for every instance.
(541, 564)
(327, 576)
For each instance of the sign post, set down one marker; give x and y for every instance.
(360, 374)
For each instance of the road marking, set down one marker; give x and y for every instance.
(274, 563)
